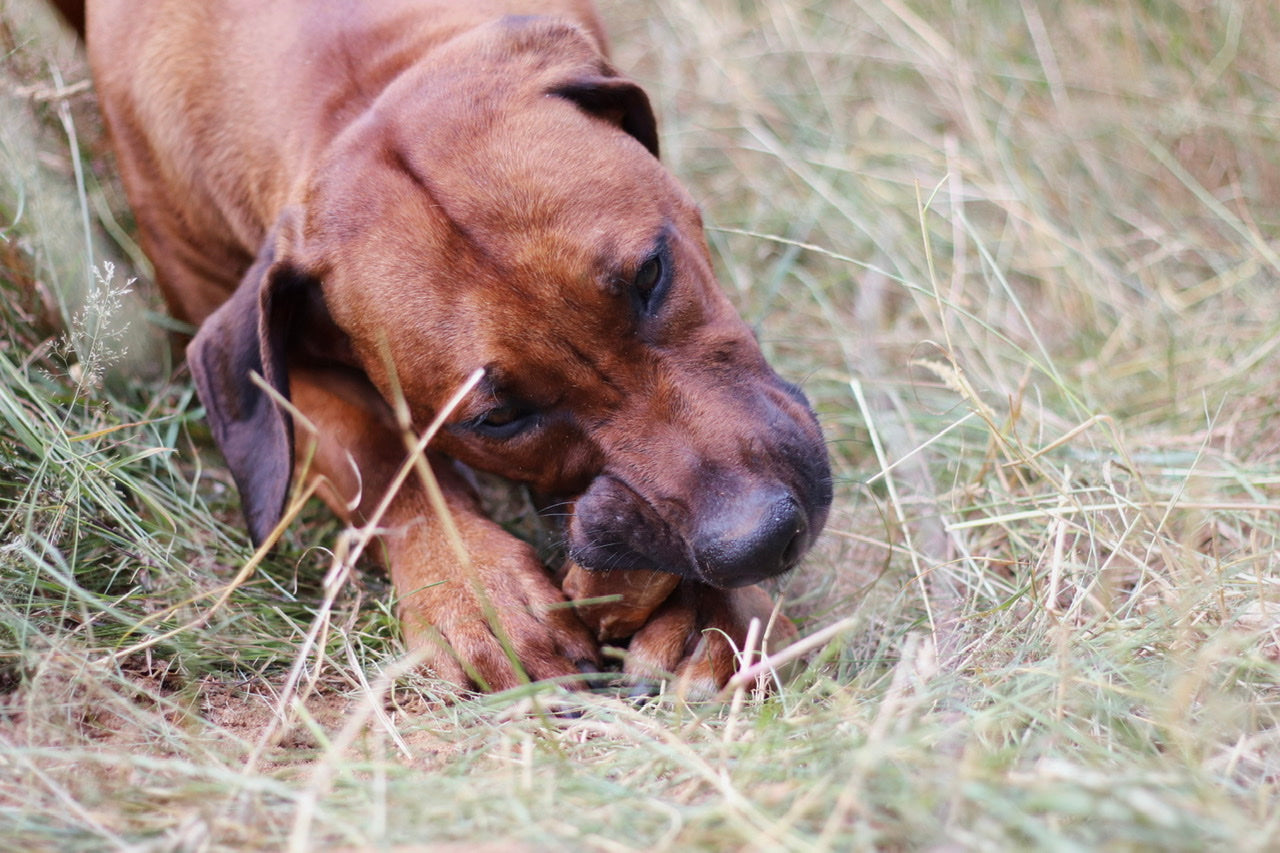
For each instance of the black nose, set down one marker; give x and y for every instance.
(757, 537)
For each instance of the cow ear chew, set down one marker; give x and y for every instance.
(640, 592)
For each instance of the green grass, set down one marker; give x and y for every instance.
(1022, 257)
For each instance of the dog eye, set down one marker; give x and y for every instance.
(648, 277)
(506, 421)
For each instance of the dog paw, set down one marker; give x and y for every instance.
(698, 638)
(497, 625)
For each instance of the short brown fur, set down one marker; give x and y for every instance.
(365, 202)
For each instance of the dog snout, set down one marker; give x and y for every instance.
(727, 501)
(755, 537)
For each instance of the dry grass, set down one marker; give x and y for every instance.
(1023, 258)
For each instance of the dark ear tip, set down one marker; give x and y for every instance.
(618, 100)
(249, 333)
(260, 526)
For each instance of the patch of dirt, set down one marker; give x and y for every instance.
(148, 707)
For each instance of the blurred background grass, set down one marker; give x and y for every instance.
(1023, 257)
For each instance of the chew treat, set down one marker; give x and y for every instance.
(723, 619)
(642, 592)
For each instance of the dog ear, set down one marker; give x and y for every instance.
(615, 100)
(249, 334)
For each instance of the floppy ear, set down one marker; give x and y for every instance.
(615, 100)
(249, 334)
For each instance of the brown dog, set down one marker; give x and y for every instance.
(365, 203)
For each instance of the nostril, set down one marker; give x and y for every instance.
(796, 547)
(791, 526)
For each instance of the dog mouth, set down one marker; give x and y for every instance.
(735, 538)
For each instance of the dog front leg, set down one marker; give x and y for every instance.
(473, 600)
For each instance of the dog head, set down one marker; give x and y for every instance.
(503, 208)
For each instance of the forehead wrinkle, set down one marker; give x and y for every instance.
(448, 210)
(585, 358)
(554, 358)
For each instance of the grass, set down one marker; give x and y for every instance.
(1023, 258)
